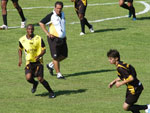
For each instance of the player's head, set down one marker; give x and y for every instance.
(30, 29)
(58, 7)
(113, 56)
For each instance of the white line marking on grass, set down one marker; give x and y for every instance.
(147, 8)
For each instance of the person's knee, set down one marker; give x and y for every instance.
(125, 107)
(28, 77)
(40, 79)
(16, 5)
(81, 16)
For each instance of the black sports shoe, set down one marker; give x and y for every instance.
(33, 90)
(52, 95)
(50, 70)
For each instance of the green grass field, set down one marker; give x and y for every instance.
(87, 69)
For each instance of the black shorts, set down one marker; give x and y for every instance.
(35, 68)
(128, 1)
(80, 8)
(58, 47)
(130, 98)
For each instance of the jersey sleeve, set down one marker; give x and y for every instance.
(46, 19)
(20, 45)
(123, 73)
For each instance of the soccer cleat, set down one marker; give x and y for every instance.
(82, 33)
(134, 19)
(33, 90)
(52, 95)
(23, 24)
(91, 29)
(60, 76)
(50, 69)
(3, 27)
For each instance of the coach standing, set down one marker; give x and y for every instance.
(56, 36)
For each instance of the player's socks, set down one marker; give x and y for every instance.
(51, 65)
(46, 85)
(22, 15)
(125, 6)
(137, 107)
(87, 23)
(82, 25)
(5, 19)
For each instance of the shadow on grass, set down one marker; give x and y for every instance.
(63, 92)
(89, 72)
(143, 18)
(105, 30)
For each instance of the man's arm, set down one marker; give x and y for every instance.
(130, 79)
(114, 82)
(20, 57)
(40, 55)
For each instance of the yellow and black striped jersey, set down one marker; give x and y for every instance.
(125, 71)
(32, 47)
(79, 2)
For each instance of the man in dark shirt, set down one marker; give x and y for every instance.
(127, 75)
(80, 8)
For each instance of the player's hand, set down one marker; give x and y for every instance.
(111, 84)
(37, 58)
(50, 35)
(118, 84)
(20, 62)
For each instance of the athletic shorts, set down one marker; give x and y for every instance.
(35, 68)
(128, 0)
(130, 98)
(80, 8)
(58, 47)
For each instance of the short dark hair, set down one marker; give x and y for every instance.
(113, 53)
(30, 25)
(59, 3)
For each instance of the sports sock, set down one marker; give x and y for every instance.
(32, 81)
(5, 19)
(132, 9)
(51, 65)
(125, 6)
(22, 15)
(137, 108)
(135, 111)
(46, 85)
(82, 25)
(87, 23)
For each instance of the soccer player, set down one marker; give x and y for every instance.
(127, 76)
(56, 36)
(129, 7)
(34, 48)
(80, 8)
(4, 13)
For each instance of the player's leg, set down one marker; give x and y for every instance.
(4, 14)
(20, 11)
(123, 5)
(47, 86)
(81, 18)
(132, 9)
(31, 80)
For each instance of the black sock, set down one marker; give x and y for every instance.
(22, 15)
(132, 9)
(82, 25)
(137, 108)
(46, 85)
(125, 6)
(135, 111)
(32, 81)
(87, 23)
(5, 19)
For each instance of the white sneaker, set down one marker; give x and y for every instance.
(148, 109)
(3, 27)
(23, 24)
(82, 33)
(92, 30)
(59, 76)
